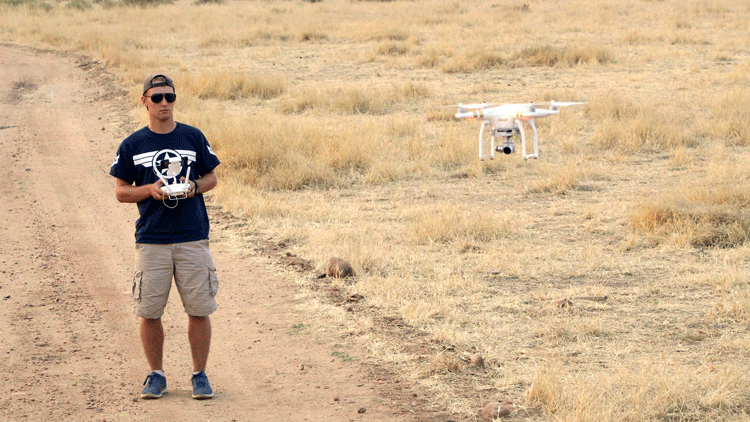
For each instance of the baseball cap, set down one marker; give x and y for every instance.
(157, 80)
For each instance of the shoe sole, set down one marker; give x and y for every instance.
(203, 396)
(152, 396)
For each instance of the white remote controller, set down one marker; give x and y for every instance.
(178, 190)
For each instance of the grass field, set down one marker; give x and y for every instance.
(605, 281)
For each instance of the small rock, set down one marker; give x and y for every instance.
(338, 268)
(495, 410)
(477, 360)
(361, 410)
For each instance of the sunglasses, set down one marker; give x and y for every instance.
(156, 98)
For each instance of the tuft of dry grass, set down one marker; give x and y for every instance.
(561, 179)
(709, 214)
(393, 46)
(353, 100)
(730, 113)
(229, 85)
(534, 56)
(628, 127)
(548, 55)
(735, 307)
(449, 224)
(692, 224)
(470, 61)
(645, 392)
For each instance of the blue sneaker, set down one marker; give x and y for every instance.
(156, 385)
(201, 388)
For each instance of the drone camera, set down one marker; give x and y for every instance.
(507, 148)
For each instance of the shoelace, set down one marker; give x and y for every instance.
(147, 379)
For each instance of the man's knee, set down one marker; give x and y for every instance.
(199, 319)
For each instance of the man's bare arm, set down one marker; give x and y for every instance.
(208, 181)
(127, 193)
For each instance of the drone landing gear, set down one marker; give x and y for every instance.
(535, 154)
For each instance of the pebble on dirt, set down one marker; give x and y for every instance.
(477, 360)
(495, 410)
(338, 268)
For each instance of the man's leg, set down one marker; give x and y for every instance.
(199, 335)
(151, 286)
(152, 338)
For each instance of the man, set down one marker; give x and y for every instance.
(171, 234)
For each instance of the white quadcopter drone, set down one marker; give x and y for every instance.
(507, 120)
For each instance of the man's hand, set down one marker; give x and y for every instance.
(191, 188)
(155, 190)
(127, 193)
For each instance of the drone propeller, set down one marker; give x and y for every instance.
(482, 105)
(463, 107)
(477, 105)
(554, 104)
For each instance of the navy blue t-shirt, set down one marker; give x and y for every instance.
(145, 154)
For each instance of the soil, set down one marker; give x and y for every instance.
(70, 349)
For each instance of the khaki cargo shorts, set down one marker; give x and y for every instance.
(194, 274)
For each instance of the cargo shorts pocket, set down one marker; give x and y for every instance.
(213, 281)
(137, 278)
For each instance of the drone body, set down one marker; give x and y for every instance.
(507, 120)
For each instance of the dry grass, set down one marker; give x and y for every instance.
(709, 213)
(327, 118)
(650, 392)
(226, 85)
(353, 100)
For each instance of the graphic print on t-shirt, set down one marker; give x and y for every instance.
(163, 162)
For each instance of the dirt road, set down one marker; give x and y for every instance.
(70, 349)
